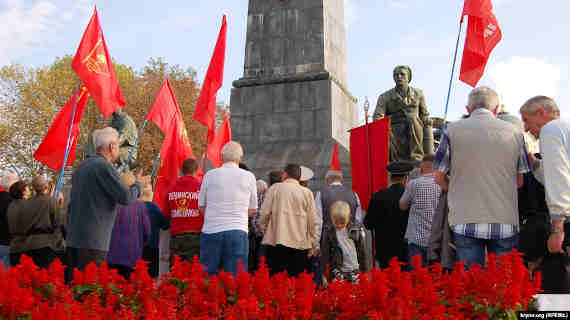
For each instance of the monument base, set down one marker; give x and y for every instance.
(295, 120)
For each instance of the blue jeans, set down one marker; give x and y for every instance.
(472, 250)
(414, 250)
(5, 256)
(223, 249)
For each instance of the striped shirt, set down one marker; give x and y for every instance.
(130, 232)
(555, 150)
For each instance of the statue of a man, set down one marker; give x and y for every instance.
(127, 129)
(411, 136)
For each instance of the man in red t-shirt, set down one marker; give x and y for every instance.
(185, 218)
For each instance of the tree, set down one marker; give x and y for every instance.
(31, 97)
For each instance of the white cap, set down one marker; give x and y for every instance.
(306, 174)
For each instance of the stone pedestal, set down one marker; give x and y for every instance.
(292, 104)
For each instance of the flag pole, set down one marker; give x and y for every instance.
(452, 73)
(126, 165)
(155, 164)
(369, 161)
(59, 183)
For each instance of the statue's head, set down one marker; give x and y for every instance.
(402, 76)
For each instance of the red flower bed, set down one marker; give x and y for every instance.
(185, 293)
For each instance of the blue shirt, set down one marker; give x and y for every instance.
(157, 221)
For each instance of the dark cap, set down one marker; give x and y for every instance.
(400, 168)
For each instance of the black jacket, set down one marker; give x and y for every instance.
(389, 224)
(331, 253)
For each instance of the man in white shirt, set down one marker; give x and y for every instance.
(541, 116)
(227, 197)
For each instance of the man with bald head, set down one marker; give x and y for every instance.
(541, 117)
(37, 226)
(486, 159)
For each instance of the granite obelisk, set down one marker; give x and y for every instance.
(292, 103)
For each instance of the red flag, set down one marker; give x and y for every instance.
(51, 150)
(335, 163)
(201, 167)
(175, 148)
(223, 136)
(94, 67)
(483, 34)
(379, 140)
(164, 109)
(205, 111)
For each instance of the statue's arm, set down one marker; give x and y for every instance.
(427, 124)
(380, 110)
(423, 111)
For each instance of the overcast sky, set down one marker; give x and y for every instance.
(531, 59)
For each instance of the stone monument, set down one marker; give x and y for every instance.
(292, 103)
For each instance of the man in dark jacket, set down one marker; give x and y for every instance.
(97, 190)
(386, 219)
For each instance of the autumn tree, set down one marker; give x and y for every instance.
(31, 97)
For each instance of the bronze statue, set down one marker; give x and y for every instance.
(127, 129)
(411, 135)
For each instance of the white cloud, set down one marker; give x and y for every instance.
(521, 78)
(25, 25)
(402, 4)
(186, 22)
(350, 12)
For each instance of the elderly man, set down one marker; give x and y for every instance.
(486, 158)
(228, 195)
(37, 227)
(96, 192)
(541, 116)
(6, 181)
(336, 191)
(289, 223)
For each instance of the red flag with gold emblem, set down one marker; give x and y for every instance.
(205, 111)
(51, 150)
(175, 148)
(483, 34)
(94, 67)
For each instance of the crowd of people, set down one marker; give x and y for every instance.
(481, 192)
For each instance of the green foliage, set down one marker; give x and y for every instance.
(30, 98)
